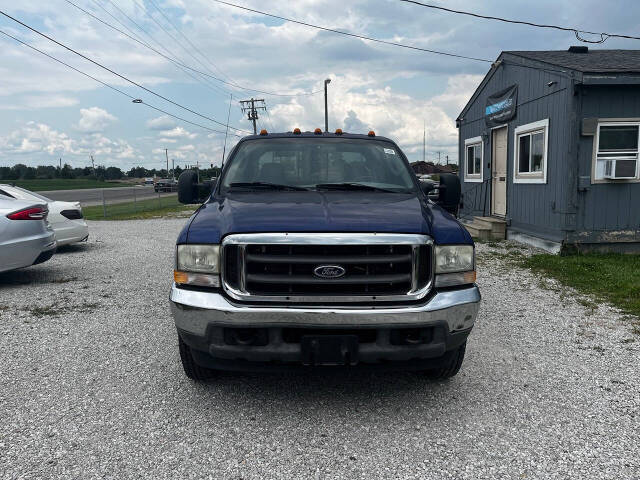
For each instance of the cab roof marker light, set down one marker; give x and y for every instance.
(338, 131)
(371, 133)
(296, 131)
(318, 131)
(264, 132)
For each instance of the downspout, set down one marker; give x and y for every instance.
(573, 168)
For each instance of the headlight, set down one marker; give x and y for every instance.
(455, 265)
(198, 265)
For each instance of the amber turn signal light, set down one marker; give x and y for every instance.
(180, 277)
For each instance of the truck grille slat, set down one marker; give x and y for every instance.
(317, 259)
(280, 269)
(309, 280)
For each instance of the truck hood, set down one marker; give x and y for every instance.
(256, 212)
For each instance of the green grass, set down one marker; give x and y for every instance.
(62, 184)
(152, 208)
(614, 278)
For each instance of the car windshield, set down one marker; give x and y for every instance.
(326, 164)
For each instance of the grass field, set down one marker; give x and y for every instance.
(62, 184)
(156, 207)
(610, 277)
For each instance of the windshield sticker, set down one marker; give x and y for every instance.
(389, 151)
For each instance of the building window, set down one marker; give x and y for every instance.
(530, 152)
(617, 151)
(474, 150)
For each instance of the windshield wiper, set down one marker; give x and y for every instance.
(351, 186)
(265, 186)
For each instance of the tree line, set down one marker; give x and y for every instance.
(100, 173)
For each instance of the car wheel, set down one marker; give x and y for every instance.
(452, 368)
(191, 368)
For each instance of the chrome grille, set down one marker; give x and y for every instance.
(372, 267)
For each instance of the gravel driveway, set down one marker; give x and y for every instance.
(92, 387)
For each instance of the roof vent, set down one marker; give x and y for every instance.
(578, 49)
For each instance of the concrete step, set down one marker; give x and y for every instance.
(478, 231)
(497, 226)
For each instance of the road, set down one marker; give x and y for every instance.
(92, 386)
(93, 196)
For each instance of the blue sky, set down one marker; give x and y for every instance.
(48, 112)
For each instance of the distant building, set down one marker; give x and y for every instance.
(429, 168)
(549, 143)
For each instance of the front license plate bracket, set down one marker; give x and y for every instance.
(329, 350)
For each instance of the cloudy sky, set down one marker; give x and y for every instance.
(48, 111)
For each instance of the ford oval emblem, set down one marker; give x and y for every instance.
(329, 271)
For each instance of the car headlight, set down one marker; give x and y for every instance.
(197, 265)
(455, 265)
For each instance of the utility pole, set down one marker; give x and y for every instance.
(439, 158)
(173, 168)
(326, 108)
(447, 160)
(251, 107)
(60, 163)
(166, 154)
(93, 165)
(424, 141)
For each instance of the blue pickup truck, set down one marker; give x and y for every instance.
(316, 250)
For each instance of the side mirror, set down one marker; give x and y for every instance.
(427, 187)
(450, 193)
(190, 191)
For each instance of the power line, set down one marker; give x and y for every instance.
(174, 39)
(174, 57)
(137, 39)
(349, 34)
(177, 62)
(108, 85)
(188, 40)
(118, 74)
(577, 31)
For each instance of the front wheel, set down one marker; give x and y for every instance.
(191, 368)
(451, 368)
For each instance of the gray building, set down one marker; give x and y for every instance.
(549, 149)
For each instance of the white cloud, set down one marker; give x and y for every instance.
(178, 132)
(165, 122)
(94, 119)
(36, 102)
(43, 141)
(36, 138)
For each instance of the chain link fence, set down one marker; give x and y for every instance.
(130, 202)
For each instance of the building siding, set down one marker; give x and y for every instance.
(607, 207)
(538, 208)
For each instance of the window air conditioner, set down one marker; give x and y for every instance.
(620, 169)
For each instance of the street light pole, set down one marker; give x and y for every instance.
(326, 108)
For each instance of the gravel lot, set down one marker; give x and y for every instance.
(92, 386)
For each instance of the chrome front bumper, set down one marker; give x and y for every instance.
(193, 311)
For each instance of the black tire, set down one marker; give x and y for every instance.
(450, 370)
(191, 368)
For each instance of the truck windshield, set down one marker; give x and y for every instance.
(318, 164)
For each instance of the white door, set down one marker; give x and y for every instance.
(499, 172)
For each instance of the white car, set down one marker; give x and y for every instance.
(26, 237)
(65, 217)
